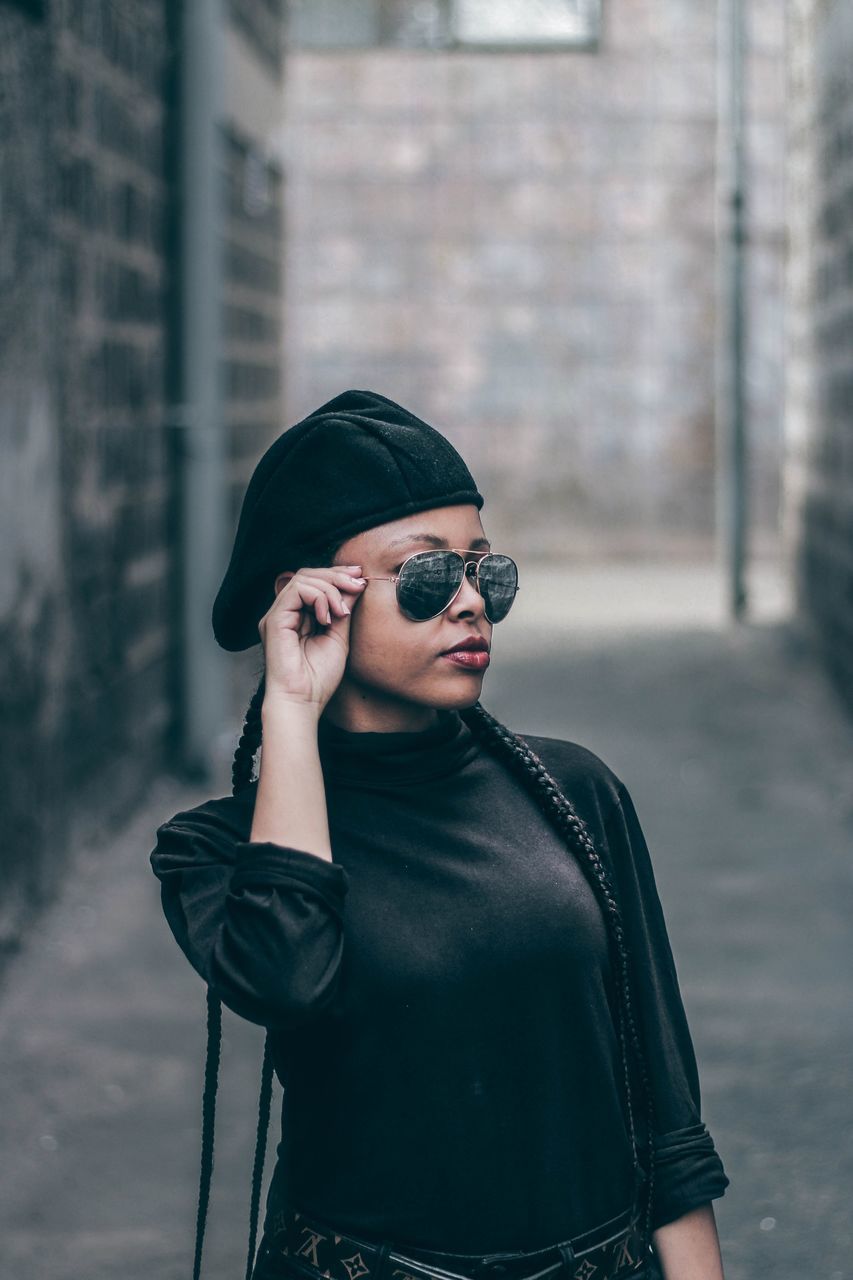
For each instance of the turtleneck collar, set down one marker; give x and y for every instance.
(396, 759)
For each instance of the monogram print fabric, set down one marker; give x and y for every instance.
(294, 1245)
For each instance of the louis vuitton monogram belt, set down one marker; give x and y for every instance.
(295, 1244)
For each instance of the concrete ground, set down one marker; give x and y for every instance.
(739, 760)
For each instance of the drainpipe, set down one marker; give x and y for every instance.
(201, 421)
(731, 421)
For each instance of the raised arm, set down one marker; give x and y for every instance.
(248, 884)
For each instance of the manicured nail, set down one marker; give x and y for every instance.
(345, 607)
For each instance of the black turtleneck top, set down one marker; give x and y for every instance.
(440, 995)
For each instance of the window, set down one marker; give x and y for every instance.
(528, 23)
(444, 24)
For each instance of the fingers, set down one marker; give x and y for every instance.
(321, 591)
(331, 595)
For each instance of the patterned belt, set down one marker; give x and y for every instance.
(612, 1251)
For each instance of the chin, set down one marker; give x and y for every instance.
(458, 699)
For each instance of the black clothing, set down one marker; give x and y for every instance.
(358, 461)
(441, 996)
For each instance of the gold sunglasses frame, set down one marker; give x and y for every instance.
(475, 578)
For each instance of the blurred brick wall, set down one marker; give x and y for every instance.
(521, 247)
(819, 421)
(86, 488)
(253, 283)
(91, 446)
(254, 279)
(252, 341)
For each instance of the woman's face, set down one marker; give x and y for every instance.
(395, 674)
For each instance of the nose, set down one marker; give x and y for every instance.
(468, 599)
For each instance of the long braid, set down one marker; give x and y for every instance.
(241, 774)
(558, 808)
(241, 777)
(250, 740)
(260, 1150)
(211, 1079)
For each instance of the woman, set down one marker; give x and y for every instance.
(451, 932)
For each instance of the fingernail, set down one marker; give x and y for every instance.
(358, 581)
(345, 607)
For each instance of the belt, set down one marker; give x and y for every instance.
(612, 1251)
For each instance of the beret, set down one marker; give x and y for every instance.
(358, 461)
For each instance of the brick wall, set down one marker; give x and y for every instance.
(83, 607)
(819, 456)
(252, 339)
(32, 622)
(91, 643)
(252, 326)
(109, 225)
(521, 247)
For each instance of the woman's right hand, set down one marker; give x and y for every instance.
(305, 634)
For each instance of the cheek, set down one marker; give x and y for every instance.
(381, 637)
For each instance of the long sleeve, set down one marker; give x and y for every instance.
(261, 923)
(688, 1169)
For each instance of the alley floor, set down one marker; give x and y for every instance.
(739, 759)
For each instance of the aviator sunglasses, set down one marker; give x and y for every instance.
(429, 581)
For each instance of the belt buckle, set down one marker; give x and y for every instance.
(490, 1269)
(414, 1268)
(498, 1269)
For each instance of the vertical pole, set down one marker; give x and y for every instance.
(202, 428)
(731, 420)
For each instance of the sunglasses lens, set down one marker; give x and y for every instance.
(430, 579)
(498, 584)
(428, 582)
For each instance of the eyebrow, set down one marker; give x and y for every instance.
(434, 540)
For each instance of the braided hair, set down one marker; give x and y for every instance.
(522, 761)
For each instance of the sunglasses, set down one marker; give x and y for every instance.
(429, 582)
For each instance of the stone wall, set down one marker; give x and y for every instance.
(521, 247)
(85, 568)
(819, 434)
(91, 448)
(254, 280)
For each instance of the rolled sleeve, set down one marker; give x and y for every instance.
(262, 923)
(688, 1172)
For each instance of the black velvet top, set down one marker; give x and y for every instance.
(441, 995)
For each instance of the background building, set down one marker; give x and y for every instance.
(520, 239)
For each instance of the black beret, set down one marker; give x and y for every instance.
(357, 461)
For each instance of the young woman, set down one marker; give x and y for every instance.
(450, 931)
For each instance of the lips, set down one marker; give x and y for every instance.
(470, 643)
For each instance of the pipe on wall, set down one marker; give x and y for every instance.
(731, 408)
(203, 548)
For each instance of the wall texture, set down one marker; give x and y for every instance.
(521, 247)
(819, 435)
(90, 363)
(83, 588)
